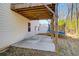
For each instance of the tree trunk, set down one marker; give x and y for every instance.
(76, 19)
(71, 11)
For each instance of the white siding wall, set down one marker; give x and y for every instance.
(13, 27)
(42, 29)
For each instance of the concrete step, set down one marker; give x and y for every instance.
(16, 51)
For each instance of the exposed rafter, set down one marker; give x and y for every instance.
(35, 12)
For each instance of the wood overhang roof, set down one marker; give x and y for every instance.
(35, 12)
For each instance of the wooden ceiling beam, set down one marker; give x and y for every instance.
(42, 12)
(36, 15)
(36, 12)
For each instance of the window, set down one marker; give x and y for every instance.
(29, 27)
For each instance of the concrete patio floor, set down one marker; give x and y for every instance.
(38, 45)
(39, 42)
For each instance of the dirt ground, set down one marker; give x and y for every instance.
(68, 47)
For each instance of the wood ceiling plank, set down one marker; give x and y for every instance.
(36, 12)
(34, 7)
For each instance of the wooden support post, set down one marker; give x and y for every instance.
(52, 24)
(56, 27)
(52, 27)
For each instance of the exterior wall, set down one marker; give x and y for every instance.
(43, 28)
(13, 27)
(35, 23)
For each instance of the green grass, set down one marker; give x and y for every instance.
(60, 22)
(69, 24)
(3, 54)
